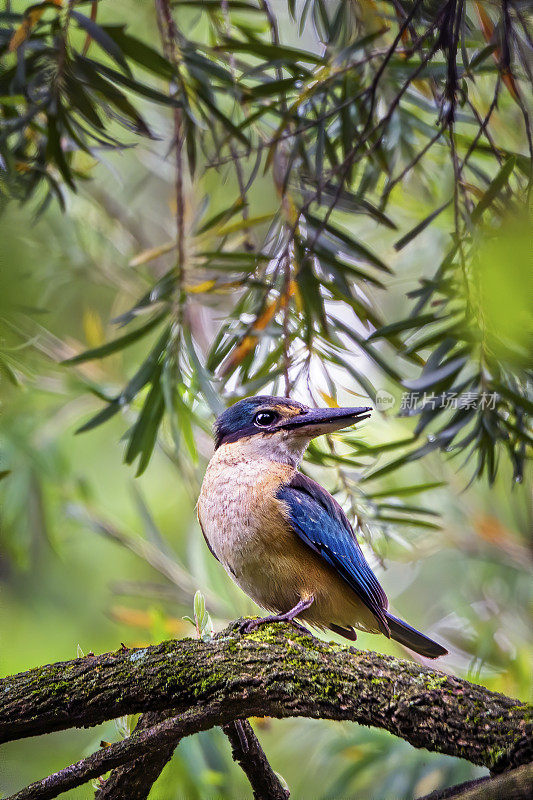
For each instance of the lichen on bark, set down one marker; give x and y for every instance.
(277, 672)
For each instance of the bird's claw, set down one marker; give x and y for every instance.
(251, 625)
(302, 628)
(248, 626)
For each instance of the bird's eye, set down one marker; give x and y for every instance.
(265, 418)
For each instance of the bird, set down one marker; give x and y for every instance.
(280, 535)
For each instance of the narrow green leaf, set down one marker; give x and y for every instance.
(414, 455)
(416, 523)
(337, 263)
(145, 430)
(311, 296)
(226, 122)
(413, 233)
(372, 449)
(501, 179)
(354, 245)
(140, 379)
(101, 37)
(262, 50)
(431, 378)
(269, 88)
(357, 375)
(213, 400)
(405, 325)
(205, 70)
(140, 52)
(82, 102)
(368, 349)
(520, 400)
(221, 216)
(8, 372)
(404, 491)
(55, 151)
(134, 85)
(214, 5)
(102, 416)
(408, 509)
(482, 55)
(117, 344)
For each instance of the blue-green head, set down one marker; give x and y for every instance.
(281, 422)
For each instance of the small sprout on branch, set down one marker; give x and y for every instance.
(202, 620)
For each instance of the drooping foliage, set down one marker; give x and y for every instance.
(339, 123)
(327, 199)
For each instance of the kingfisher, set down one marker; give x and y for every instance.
(280, 535)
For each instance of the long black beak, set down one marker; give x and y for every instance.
(317, 421)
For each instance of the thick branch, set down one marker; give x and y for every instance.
(275, 672)
(138, 761)
(514, 785)
(247, 751)
(138, 746)
(133, 780)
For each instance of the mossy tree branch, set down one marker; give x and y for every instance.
(275, 672)
(133, 779)
(247, 752)
(513, 785)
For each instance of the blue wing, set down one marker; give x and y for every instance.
(319, 521)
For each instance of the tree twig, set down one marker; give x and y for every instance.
(169, 37)
(133, 780)
(138, 746)
(247, 751)
(513, 785)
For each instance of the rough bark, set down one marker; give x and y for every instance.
(514, 785)
(133, 779)
(247, 752)
(276, 672)
(135, 747)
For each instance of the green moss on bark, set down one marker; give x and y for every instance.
(274, 671)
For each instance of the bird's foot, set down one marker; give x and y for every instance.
(250, 625)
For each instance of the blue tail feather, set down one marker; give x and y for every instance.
(404, 634)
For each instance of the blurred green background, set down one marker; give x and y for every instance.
(91, 556)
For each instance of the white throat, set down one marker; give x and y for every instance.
(282, 447)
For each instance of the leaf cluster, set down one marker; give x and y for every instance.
(339, 121)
